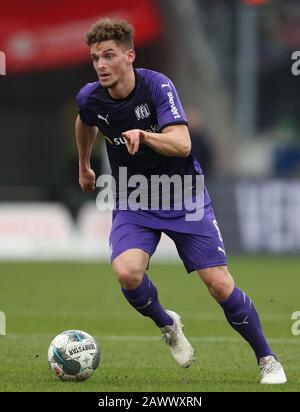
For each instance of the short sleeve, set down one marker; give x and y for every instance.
(169, 109)
(83, 110)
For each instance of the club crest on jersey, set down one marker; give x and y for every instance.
(142, 112)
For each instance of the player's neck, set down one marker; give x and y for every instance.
(124, 87)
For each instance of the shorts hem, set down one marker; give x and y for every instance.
(114, 256)
(208, 265)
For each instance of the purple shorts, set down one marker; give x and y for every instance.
(199, 244)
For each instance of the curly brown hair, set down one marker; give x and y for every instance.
(111, 29)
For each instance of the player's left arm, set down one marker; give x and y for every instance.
(173, 141)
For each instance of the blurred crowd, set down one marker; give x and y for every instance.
(37, 110)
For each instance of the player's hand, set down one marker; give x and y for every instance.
(133, 139)
(87, 180)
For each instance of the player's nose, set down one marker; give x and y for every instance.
(100, 64)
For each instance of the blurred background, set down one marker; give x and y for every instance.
(231, 63)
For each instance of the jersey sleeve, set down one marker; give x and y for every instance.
(169, 109)
(83, 110)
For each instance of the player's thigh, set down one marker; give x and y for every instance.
(131, 247)
(132, 236)
(202, 246)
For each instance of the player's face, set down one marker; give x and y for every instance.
(111, 62)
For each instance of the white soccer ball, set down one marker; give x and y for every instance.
(73, 355)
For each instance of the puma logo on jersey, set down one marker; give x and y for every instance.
(166, 85)
(221, 250)
(103, 118)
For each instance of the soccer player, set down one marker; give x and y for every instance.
(145, 128)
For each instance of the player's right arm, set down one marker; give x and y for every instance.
(85, 137)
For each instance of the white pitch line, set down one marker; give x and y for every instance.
(144, 338)
(207, 339)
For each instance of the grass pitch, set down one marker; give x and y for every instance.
(41, 300)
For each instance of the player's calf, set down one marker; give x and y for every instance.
(145, 300)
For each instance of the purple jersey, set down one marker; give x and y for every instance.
(152, 105)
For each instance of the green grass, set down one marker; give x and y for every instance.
(42, 299)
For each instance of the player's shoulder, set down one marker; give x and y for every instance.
(153, 78)
(86, 91)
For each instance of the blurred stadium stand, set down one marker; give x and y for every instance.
(230, 61)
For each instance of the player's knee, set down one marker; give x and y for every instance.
(220, 284)
(129, 275)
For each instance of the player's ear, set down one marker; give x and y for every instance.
(130, 56)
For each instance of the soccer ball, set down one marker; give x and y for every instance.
(73, 355)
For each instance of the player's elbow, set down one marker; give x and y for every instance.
(186, 144)
(186, 148)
